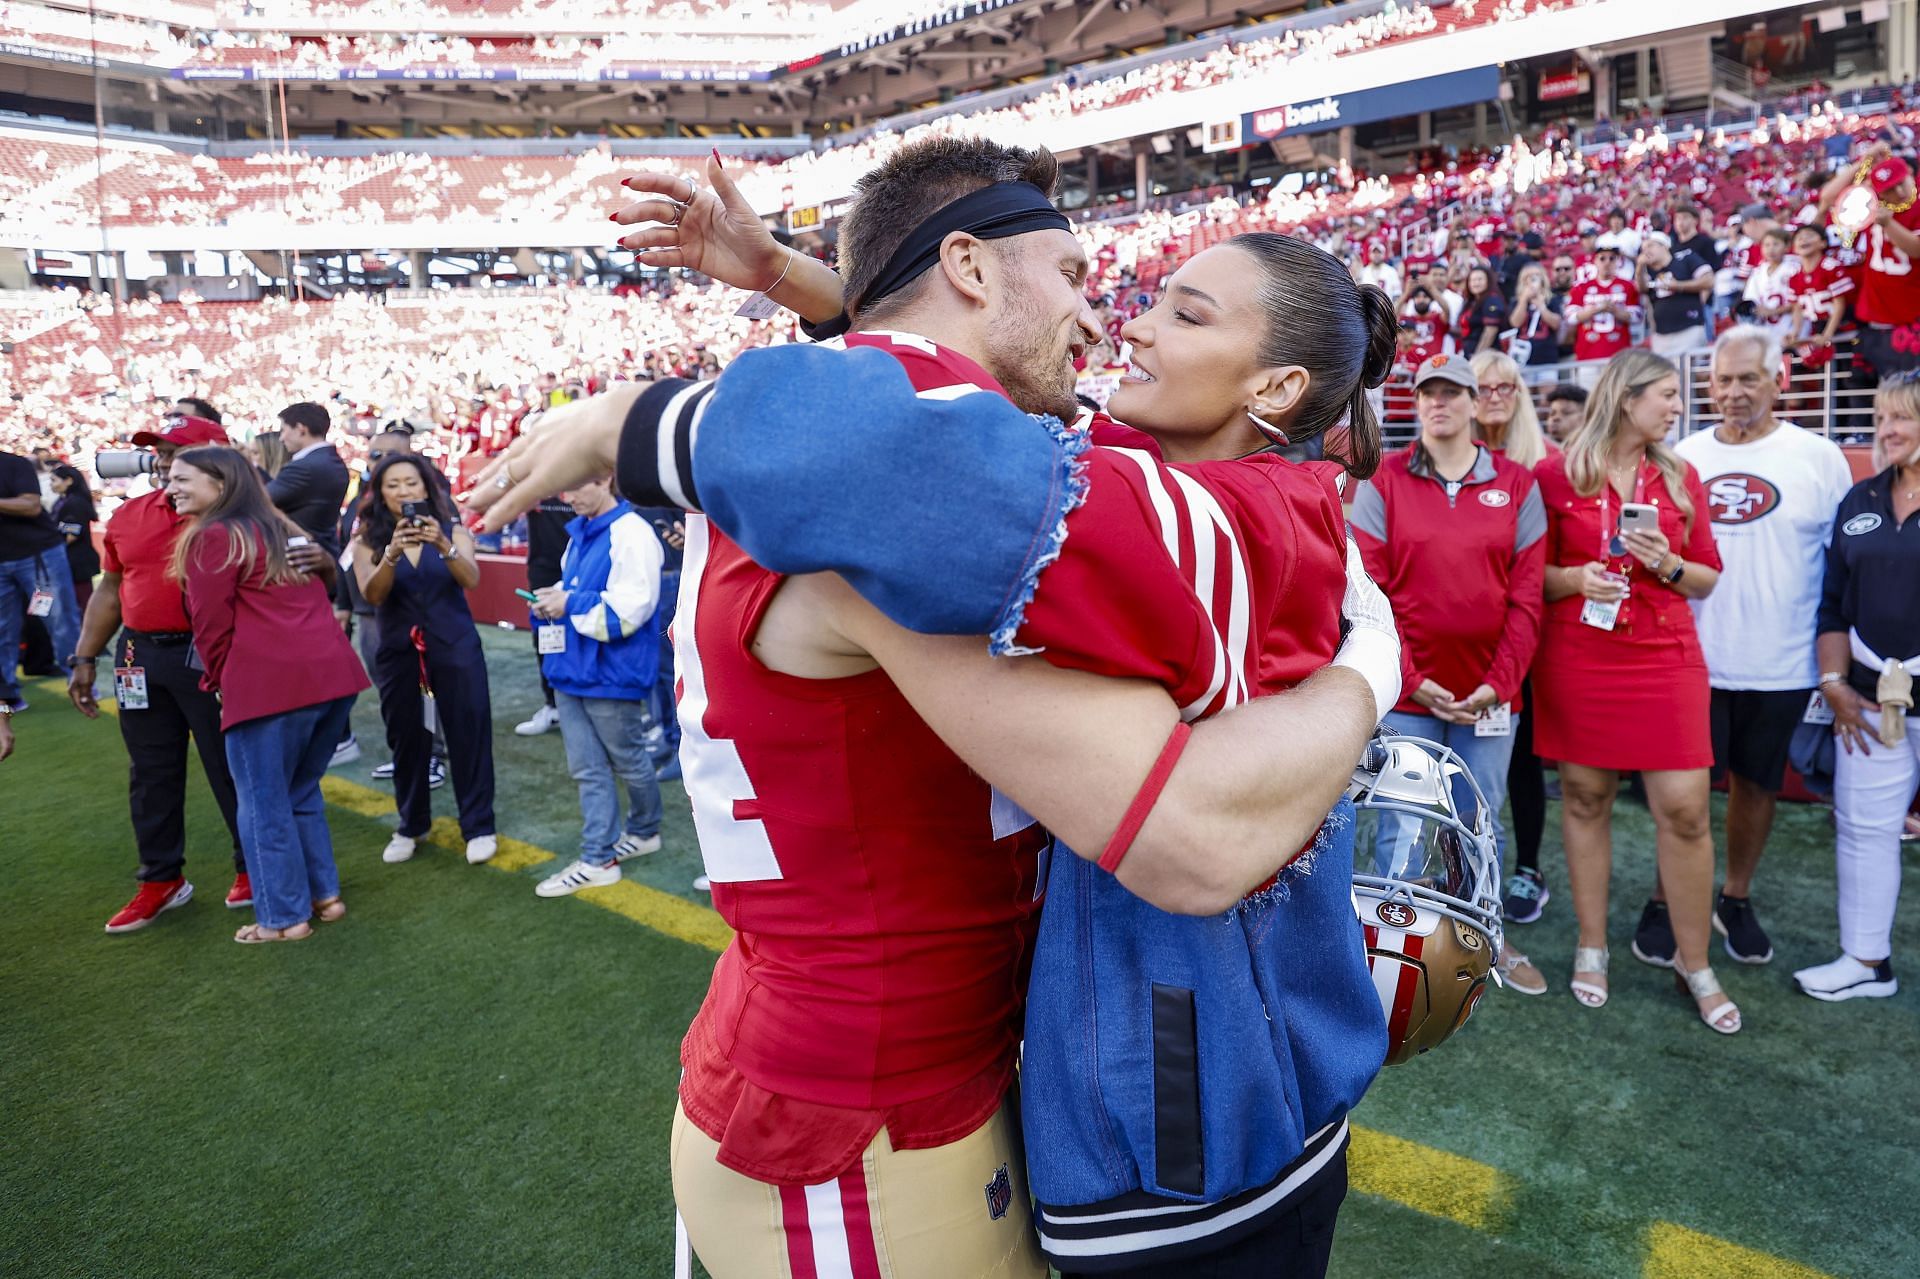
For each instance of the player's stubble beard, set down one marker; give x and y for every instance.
(1030, 358)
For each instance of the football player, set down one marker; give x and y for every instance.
(752, 627)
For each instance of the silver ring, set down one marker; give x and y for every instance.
(693, 189)
(502, 482)
(679, 211)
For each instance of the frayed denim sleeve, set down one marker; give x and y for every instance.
(940, 512)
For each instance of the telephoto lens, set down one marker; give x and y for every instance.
(121, 464)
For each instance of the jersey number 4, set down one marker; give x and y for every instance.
(735, 850)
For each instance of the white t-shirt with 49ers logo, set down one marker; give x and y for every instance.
(1772, 502)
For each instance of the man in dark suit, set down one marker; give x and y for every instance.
(312, 486)
(310, 490)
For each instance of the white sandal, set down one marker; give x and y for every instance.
(1702, 984)
(1589, 959)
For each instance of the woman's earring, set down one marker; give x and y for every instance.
(1273, 432)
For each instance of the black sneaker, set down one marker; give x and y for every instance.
(1526, 897)
(1653, 940)
(1733, 919)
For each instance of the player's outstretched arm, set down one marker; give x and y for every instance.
(1072, 748)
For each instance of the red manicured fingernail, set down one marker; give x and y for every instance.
(614, 218)
(716, 155)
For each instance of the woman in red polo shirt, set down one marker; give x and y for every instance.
(1620, 681)
(286, 678)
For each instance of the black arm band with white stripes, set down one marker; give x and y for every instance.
(655, 461)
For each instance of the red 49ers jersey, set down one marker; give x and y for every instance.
(1604, 334)
(1889, 286)
(1814, 291)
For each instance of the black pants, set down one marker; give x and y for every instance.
(156, 739)
(1526, 789)
(459, 678)
(1297, 1244)
(546, 689)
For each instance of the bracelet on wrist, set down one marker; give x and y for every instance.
(74, 659)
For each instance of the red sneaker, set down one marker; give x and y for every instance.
(240, 895)
(148, 902)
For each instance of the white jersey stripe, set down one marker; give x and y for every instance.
(667, 465)
(1157, 494)
(1239, 608)
(827, 1225)
(953, 392)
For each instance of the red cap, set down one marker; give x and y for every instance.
(184, 432)
(1888, 174)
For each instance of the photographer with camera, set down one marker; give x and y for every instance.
(414, 563)
(34, 579)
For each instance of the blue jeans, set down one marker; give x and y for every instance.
(277, 763)
(607, 738)
(19, 579)
(1486, 758)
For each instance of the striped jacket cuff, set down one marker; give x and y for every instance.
(655, 462)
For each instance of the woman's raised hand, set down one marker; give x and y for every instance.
(706, 228)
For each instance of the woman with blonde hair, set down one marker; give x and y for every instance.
(271, 453)
(1503, 417)
(1620, 680)
(1868, 639)
(1536, 325)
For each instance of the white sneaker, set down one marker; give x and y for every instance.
(399, 849)
(1848, 978)
(632, 846)
(436, 774)
(544, 720)
(704, 884)
(346, 752)
(576, 877)
(382, 772)
(481, 848)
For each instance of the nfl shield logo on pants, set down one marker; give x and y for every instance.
(999, 1194)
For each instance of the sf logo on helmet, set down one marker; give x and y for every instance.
(1395, 914)
(1740, 498)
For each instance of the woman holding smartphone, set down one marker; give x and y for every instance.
(1620, 680)
(414, 564)
(285, 674)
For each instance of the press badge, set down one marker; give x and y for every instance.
(41, 604)
(130, 687)
(1604, 614)
(1818, 712)
(551, 639)
(1495, 721)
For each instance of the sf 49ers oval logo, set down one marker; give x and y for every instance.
(1740, 498)
(1395, 914)
(1495, 498)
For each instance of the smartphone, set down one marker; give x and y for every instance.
(526, 595)
(298, 541)
(1639, 517)
(413, 510)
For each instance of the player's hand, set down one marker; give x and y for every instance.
(80, 690)
(1597, 584)
(556, 451)
(718, 233)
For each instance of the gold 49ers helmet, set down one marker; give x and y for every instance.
(1426, 884)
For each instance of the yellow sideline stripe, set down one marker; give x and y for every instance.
(1674, 1252)
(1430, 1181)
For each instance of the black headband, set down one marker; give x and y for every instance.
(991, 213)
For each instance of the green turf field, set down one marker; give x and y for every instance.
(462, 1079)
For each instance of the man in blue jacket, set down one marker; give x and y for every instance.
(600, 652)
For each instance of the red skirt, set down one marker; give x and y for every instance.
(1623, 702)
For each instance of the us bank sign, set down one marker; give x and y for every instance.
(1364, 106)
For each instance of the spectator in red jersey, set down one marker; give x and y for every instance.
(1620, 681)
(1888, 304)
(257, 620)
(1601, 310)
(1483, 315)
(1423, 324)
(1821, 287)
(1452, 531)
